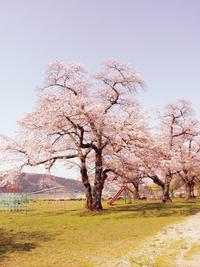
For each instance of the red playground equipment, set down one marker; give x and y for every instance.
(124, 189)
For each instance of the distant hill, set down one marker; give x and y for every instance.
(31, 182)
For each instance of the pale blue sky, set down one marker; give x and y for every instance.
(160, 38)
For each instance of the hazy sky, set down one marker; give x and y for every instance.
(160, 38)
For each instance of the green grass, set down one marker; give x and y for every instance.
(53, 235)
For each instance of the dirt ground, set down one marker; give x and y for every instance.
(177, 245)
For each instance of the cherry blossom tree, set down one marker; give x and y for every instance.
(176, 126)
(163, 160)
(94, 122)
(74, 116)
(188, 158)
(117, 83)
(129, 145)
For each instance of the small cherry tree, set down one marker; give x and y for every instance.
(176, 126)
(188, 157)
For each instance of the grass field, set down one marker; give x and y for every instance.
(53, 235)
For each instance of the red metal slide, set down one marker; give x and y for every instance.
(117, 195)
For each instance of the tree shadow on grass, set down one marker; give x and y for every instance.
(157, 209)
(11, 242)
(148, 209)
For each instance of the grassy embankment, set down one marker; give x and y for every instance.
(53, 235)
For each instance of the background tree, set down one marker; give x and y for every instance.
(174, 126)
(188, 157)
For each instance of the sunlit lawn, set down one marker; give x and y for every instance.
(65, 235)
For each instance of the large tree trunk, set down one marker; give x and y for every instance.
(86, 185)
(157, 181)
(136, 192)
(97, 195)
(98, 182)
(166, 195)
(190, 190)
